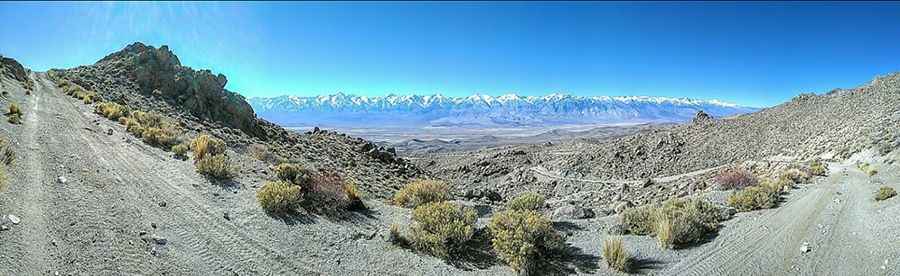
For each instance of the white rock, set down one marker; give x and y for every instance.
(14, 219)
(62, 180)
(804, 248)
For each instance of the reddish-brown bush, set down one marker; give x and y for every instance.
(735, 178)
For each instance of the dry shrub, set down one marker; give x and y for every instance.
(795, 176)
(111, 110)
(159, 137)
(3, 177)
(675, 222)
(180, 150)
(354, 196)
(867, 168)
(261, 152)
(294, 173)
(818, 168)
(526, 201)
(885, 192)
(278, 196)
(616, 256)
(420, 192)
(441, 228)
(14, 114)
(521, 238)
(735, 178)
(757, 197)
(215, 166)
(326, 194)
(205, 145)
(394, 235)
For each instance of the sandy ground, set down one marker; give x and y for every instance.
(121, 198)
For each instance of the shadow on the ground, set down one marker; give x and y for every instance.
(565, 226)
(294, 217)
(476, 253)
(566, 261)
(642, 265)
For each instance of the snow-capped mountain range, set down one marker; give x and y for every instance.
(511, 110)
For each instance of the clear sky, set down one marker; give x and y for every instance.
(755, 54)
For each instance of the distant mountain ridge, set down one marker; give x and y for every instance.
(343, 110)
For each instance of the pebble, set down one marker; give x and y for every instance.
(805, 248)
(62, 180)
(14, 219)
(226, 215)
(162, 204)
(159, 240)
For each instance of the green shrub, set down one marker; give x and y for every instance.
(526, 201)
(205, 145)
(111, 110)
(885, 192)
(639, 221)
(755, 198)
(294, 173)
(441, 228)
(615, 255)
(420, 192)
(215, 166)
(521, 238)
(278, 196)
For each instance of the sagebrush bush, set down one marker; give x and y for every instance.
(327, 194)
(735, 178)
(885, 192)
(215, 166)
(205, 145)
(441, 228)
(526, 201)
(111, 110)
(818, 168)
(867, 168)
(420, 192)
(521, 238)
(796, 176)
(279, 196)
(675, 222)
(615, 255)
(294, 173)
(755, 198)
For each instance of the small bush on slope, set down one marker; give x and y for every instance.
(885, 192)
(261, 152)
(526, 201)
(441, 228)
(111, 110)
(164, 137)
(521, 238)
(14, 115)
(328, 194)
(735, 178)
(180, 150)
(294, 173)
(421, 192)
(278, 196)
(215, 166)
(205, 145)
(867, 168)
(615, 255)
(795, 176)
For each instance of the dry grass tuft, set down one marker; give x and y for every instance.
(278, 196)
(867, 168)
(14, 114)
(294, 173)
(180, 150)
(675, 222)
(818, 168)
(111, 110)
(420, 192)
(615, 255)
(758, 197)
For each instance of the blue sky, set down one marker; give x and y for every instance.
(755, 54)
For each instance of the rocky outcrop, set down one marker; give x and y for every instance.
(13, 69)
(158, 73)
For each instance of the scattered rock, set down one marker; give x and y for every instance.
(14, 219)
(62, 180)
(4, 228)
(622, 206)
(162, 204)
(617, 229)
(159, 240)
(572, 212)
(109, 132)
(804, 248)
(226, 215)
